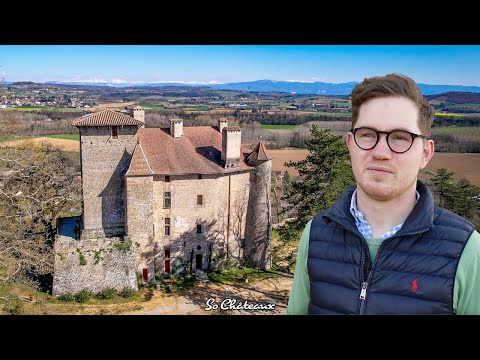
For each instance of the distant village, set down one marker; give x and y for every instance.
(43, 97)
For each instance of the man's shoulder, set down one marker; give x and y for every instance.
(448, 218)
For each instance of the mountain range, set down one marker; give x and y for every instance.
(313, 88)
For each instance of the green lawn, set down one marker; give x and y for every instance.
(333, 114)
(151, 106)
(66, 136)
(278, 126)
(198, 108)
(13, 138)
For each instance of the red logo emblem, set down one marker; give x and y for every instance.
(414, 287)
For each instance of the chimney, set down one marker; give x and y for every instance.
(176, 128)
(138, 113)
(231, 143)
(222, 122)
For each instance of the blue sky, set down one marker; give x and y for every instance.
(428, 64)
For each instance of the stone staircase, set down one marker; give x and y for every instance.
(201, 276)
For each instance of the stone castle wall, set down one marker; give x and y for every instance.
(146, 219)
(258, 234)
(139, 220)
(104, 162)
(93, 265)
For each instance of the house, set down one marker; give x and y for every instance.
(186, 198)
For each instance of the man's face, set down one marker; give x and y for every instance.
(381, 173)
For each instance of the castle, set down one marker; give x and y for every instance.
(178, 199)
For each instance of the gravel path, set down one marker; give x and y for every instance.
(266, 297)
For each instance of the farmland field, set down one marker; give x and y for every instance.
(66, 136)
(276, 127)
(464, 165)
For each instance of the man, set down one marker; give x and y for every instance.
(384, 247)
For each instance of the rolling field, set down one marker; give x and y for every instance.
(464, 165)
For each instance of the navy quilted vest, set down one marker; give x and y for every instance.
(413, 272)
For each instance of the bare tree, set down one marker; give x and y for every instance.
(36, 184)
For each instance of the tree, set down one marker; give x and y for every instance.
(324, 175)
(444, 188)
(459, 198)
(36, 183)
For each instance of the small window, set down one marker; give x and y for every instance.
(167, 252)
(199, 199)
(167, 228)
(167, 199)
(200, 176)
(199, 229)
(114, 132)
(167, 178)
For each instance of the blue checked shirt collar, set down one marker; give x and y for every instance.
(362, 224)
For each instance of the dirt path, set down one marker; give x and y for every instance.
(274, 291)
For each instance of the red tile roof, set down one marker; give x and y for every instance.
(259, 153)
(139, 164)
(198, 151)
(105, 118)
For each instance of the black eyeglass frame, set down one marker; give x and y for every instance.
(387, 133)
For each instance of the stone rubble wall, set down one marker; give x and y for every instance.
(92, 264)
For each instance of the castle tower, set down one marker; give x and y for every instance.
(107, 141)
(258, 227)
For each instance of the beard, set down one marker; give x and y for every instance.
(380, 189)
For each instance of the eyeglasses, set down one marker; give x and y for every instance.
(399, 141)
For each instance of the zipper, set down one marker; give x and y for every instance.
(363, 291)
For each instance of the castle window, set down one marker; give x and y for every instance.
(167, 199)
(199, 229)
(114, 132)
(167, 178)
(199, 199)
(167, 252)
(167, 227)
(200, 176)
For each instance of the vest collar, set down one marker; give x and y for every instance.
(420, 218)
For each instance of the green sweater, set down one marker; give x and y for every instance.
(466, 290)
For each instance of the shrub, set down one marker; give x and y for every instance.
(15, 308)
(98, 256)
(83, 296)
(124, 246)
(107, 293)
(127, 292)
(83, 260)
(66, 297)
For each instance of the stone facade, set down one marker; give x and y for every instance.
(104, 162)
(93, 265)
(209, 213)
(259, 218)
(187, 200)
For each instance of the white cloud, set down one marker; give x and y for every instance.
(78, 79)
